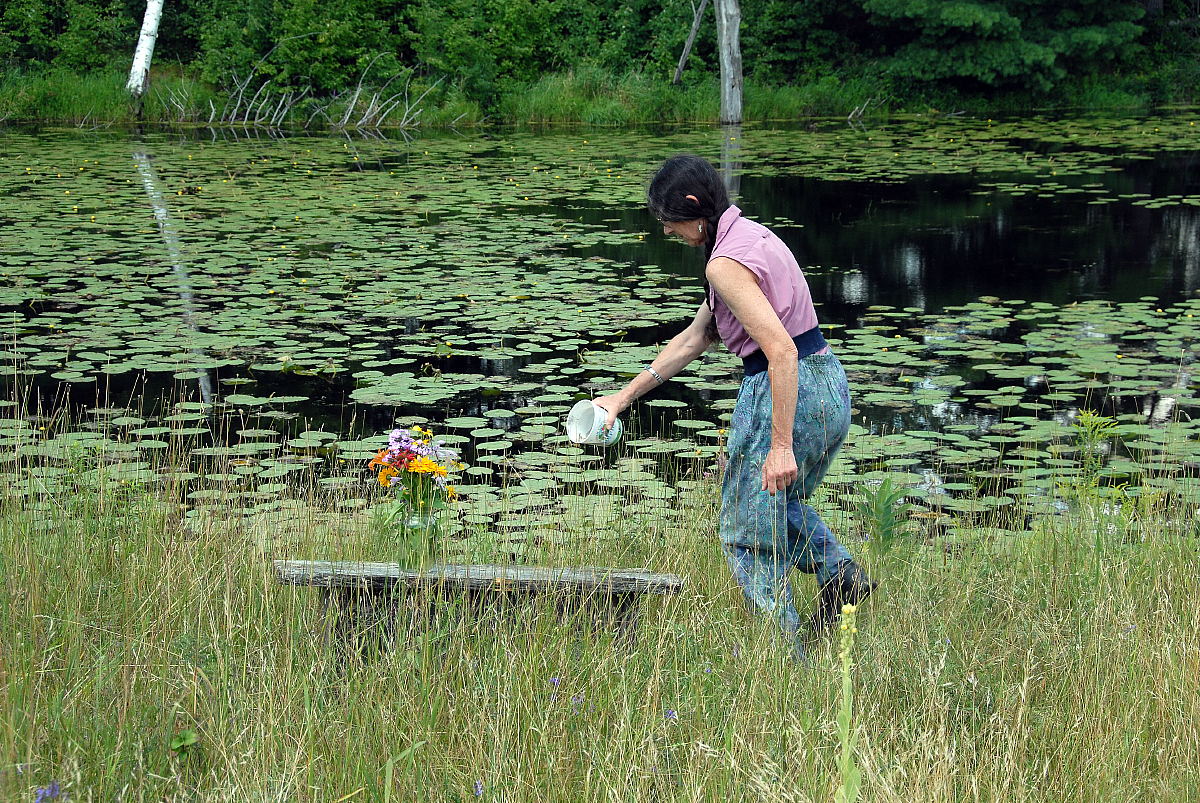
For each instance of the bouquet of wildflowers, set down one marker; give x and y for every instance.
(418, 466)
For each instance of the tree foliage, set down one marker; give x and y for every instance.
(1016, 43)
(482, 45)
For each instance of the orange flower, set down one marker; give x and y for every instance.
(379, 459)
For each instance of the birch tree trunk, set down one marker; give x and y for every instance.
(136, 85)
(729, 20)
(691, 40)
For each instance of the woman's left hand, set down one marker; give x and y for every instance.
(779, 471)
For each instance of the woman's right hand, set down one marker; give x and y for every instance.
(614, 405)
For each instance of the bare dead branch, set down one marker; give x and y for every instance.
(254, 100)
(691, 39)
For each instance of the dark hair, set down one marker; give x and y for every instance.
(679, 177)
(667, 198)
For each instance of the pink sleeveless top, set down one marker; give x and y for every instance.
(779, 277)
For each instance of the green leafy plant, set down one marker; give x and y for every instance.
(1092, 434)
(884, 513)
(184, 742)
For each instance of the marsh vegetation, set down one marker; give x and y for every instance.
(207, 338)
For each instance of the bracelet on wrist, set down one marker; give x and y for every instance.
(657, 376)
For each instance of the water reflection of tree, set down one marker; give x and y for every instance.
(731, 159)
(937, 241)
(166, 227)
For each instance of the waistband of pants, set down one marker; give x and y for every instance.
(807, 343)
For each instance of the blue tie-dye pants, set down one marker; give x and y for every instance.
(764, 536)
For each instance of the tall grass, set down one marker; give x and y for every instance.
(174, 96)
(592, 95)
(596, 96)
(62, 96)
(999, 669)
(587, 95)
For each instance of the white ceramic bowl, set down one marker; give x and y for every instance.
(585, 424)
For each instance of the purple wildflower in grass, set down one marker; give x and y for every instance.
(479, 789)
(45, 793)
(554, 681)
(671, 714)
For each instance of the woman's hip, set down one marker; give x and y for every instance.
(821, 417)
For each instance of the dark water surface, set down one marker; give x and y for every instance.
(937, 241)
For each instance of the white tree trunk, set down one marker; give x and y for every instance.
(691, 40)
(729, 21)
(136, 85)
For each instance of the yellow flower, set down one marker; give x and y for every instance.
(386, 474)
(423, 465)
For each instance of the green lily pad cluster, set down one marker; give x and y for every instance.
(310, 293)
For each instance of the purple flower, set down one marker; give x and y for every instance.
(479, 789)
(435, 449)
(671, 714)
(45, 793)
(554, 681)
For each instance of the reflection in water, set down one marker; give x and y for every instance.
(1181, 236)
(852, 288)
(938, 241)
(913, 267)
(731, 159)
(166, 227)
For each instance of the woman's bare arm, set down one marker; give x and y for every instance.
(674, 357)
(739, 289)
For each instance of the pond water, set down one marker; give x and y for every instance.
(273, 306)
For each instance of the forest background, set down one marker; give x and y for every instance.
(606, 61)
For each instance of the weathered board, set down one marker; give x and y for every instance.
(330, 574)
(365, 598)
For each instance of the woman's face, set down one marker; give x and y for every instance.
(690, 231)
